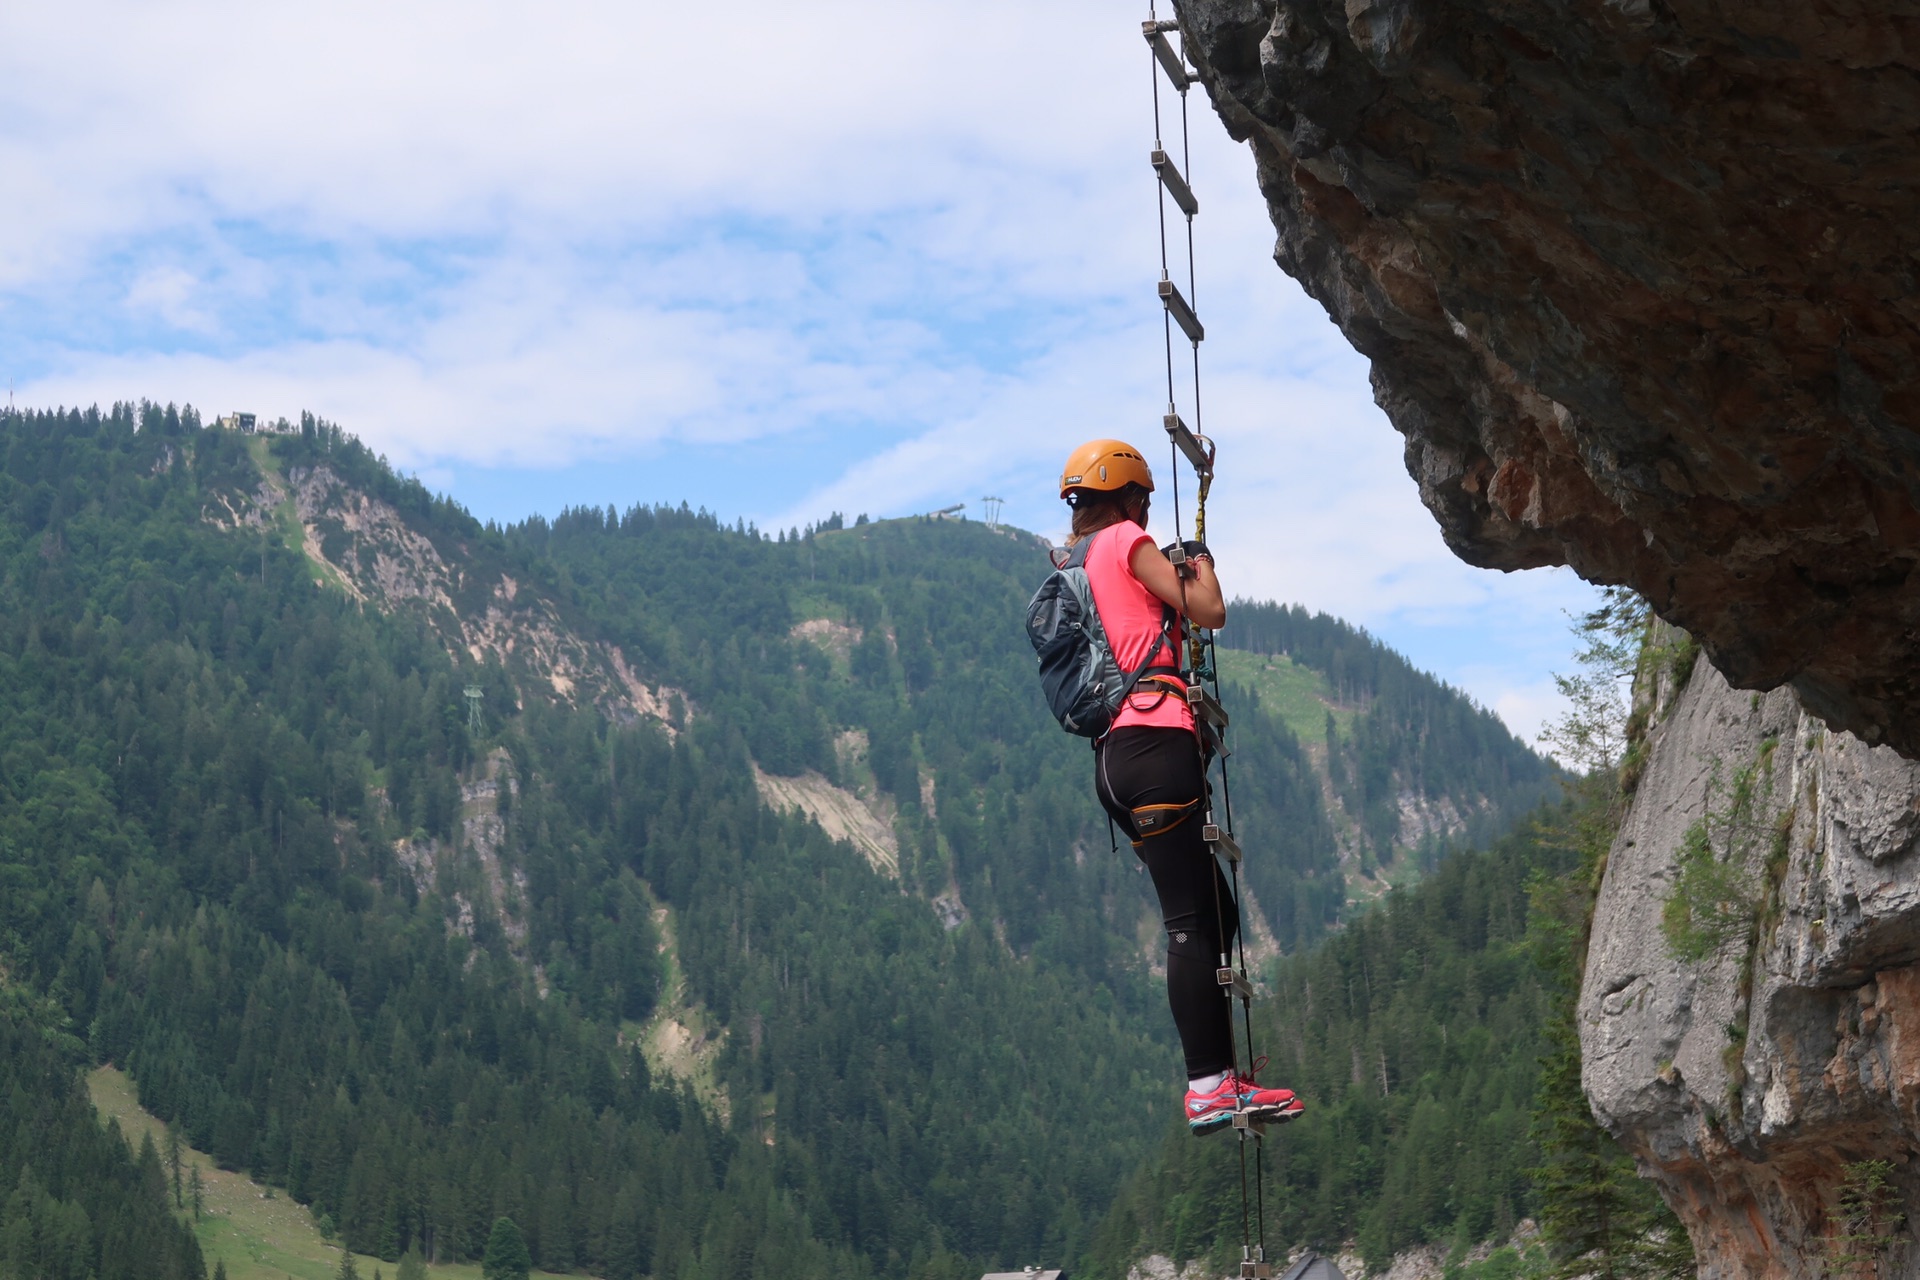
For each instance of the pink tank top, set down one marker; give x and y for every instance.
(1131, 615)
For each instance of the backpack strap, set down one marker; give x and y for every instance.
(1149, 670)
(1076, 558)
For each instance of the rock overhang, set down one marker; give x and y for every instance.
(1638, 285)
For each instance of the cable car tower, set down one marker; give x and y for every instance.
(1209, 717)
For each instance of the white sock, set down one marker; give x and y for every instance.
(1207, 1084)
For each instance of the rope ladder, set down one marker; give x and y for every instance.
(1203, 680)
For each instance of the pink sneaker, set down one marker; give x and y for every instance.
(1214, 1109)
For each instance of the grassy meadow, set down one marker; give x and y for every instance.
(259, 1233)
(1299, 696)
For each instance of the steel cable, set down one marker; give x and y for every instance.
(1202, 664)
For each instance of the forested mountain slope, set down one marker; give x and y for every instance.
(1409, 767)
(367, 838)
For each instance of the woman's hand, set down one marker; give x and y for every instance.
(1200, 600)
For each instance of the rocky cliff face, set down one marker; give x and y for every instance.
(1758, 1083)
(1638, 281)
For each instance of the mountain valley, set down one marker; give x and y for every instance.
(708, 901)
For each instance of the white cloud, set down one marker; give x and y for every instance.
(437, 116)
(1529, 708)
(169, 293)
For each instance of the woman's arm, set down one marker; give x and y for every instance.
(1202, 601)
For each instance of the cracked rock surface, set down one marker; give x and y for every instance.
(1639, 282)
(1746, 1083)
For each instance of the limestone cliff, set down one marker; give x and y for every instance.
(1638, 279)
(1751, 1082)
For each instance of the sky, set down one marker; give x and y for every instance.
(773, 260)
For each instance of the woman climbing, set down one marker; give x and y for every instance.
(1148, 770)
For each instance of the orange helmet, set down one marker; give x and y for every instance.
(1105, 465)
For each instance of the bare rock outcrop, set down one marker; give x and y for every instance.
(370, 550)
(862, 822)
(1639, 280)
(1755, 1082)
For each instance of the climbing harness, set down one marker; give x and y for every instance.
(1209, 717)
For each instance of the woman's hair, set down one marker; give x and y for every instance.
(1094, 510)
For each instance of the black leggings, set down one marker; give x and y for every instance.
(1147, 773)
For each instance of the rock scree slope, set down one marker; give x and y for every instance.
(1638, 282)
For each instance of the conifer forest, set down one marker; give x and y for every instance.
(430, 873)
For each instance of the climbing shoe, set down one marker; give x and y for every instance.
(1214, 1109)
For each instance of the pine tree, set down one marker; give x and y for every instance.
(506, 1257)
(152, 1174)
(173, 1163)
(1591, 1204)
(220, 1269)
(197, 1192)
(412, 1266)
(1599, 1218)
(347, 1271)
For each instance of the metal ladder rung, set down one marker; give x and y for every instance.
(1203, 704)
(1188, 444)
(1234, 982)
(1211, 736)
(1223, 843)
(1256, 1271)
(1175, 184)
(1253, 1122)
(1182, 313)
(1177, 72)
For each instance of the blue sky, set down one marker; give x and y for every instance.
(769, 259)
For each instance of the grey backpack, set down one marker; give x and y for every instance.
(1084, 683)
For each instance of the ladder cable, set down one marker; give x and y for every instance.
(1202, 670)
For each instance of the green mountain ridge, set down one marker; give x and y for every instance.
(411, 971)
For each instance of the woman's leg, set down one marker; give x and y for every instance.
(1152, 769)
